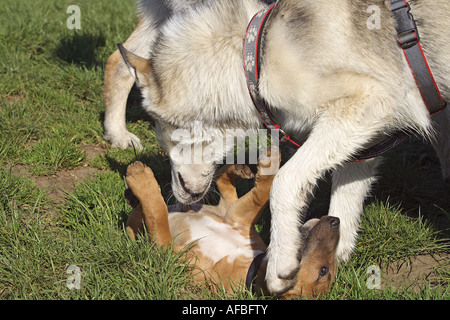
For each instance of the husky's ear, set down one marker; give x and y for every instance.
(140, 68)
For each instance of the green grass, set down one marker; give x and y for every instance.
(51, 105)
(37, 249)
(390, 235)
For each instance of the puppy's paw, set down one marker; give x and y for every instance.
(141, 180)
(137, 170)
(243, 171)
(269, 163)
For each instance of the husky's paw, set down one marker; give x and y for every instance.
(345, 248)
(141, 181)
(281, 277)
(124, 140)
(277, 286)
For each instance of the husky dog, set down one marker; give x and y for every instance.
(332, 82)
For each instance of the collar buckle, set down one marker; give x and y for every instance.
(408, 34)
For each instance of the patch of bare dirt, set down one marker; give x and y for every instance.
(64, 181)
(14, 98)
(92, 151)
(57, 185)
(414, 272)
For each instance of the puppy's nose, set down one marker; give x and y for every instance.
(334, 223)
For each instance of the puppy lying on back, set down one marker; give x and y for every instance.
(223, 238)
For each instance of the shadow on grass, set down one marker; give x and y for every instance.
(81, 49)
(411, 178)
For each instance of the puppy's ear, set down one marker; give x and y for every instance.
(306, 228)
(140, 68)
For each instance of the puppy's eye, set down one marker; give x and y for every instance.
(323, 271)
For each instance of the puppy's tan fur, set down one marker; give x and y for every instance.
(226, 241)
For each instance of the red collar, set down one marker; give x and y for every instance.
(252, 67)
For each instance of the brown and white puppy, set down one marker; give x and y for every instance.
(222, 239)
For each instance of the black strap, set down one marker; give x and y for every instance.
(381, 148)
(409, 41)
(252, 67)
(253, 271)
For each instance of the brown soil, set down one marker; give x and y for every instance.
(414, 272)
(57, 185)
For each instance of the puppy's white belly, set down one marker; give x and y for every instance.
(216, 240)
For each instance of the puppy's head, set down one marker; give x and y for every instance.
(318, 264)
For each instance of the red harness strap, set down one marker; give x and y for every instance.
(252, 67)
(409, 41)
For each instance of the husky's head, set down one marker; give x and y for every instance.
(192, 168)
(195, 142)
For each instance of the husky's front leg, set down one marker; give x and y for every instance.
(351, 184)
(343, 129)
(119, 81)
